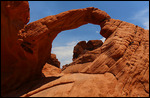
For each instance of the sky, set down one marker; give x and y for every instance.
(136, 12)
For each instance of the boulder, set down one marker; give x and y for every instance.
(50, 70)
(53, 60)
(82, 47)
(79, 49)
(93, 44)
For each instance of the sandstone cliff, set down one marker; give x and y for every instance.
(119, 67)
(14, 15)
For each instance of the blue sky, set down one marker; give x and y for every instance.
(136, 12)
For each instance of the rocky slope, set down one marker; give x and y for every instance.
(119, 67)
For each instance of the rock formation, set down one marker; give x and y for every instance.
(94, 44)
(118, 68)
(82, 47)
(53, 60)
(14, 15)
(50, 70)
(79, 49)
(84, 52)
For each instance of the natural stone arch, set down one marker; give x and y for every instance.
(64, 21)
(124, 54)
(31, 47)
(40, 34)
(114, 53)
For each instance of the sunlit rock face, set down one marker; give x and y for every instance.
(119, 67)
(125, 54)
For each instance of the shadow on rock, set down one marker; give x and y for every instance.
(31, 86)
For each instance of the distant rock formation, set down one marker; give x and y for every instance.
(118, 68)
(82, 47)
(53, 60)
(82, 52)
(79, 49)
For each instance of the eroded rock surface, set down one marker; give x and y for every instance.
(50, 70)
(119, 68)
(14, 15)
(78, 85)
(125, 54)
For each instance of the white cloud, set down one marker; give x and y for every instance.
(97, 31)
(142, 16)
(103, 39)
(64, 53)
(146, 24)
(72, 43)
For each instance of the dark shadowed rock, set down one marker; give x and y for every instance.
(79, 49)
(93, 44)
(53, 61)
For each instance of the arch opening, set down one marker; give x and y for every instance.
(63, 45)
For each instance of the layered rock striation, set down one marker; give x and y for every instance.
(125, 54)
(117, 68)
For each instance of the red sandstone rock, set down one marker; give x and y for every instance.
(29, 51)
(14, 15)
(79, 49)
(78, 85)
(53, 61)
(119, 68)
(94, 44)
(122, 55)
(82, 47)
(75, 68)
(85, 52)
(50, 70)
